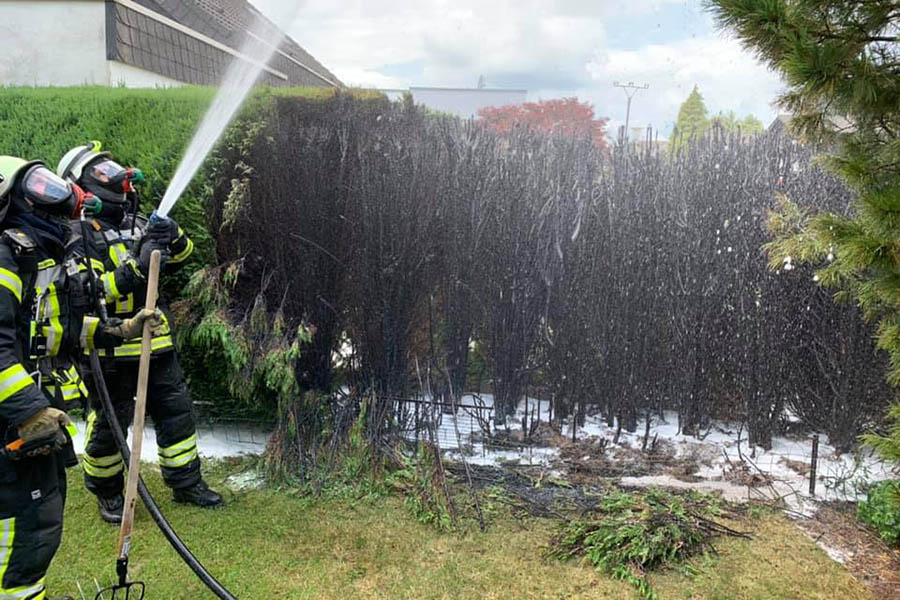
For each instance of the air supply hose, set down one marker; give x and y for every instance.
(183, 551)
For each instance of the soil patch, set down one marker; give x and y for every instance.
(835, 529)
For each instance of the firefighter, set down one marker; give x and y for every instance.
(42, 324)
(117, 239)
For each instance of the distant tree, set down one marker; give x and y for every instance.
(728, 121)
(692, 120)
(565, 115)
(840, 60)
(749, 125)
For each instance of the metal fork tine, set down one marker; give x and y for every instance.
(80, 591)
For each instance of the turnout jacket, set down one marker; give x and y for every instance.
(112, 249)
(42, 317)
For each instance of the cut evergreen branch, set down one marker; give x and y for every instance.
(632, 533)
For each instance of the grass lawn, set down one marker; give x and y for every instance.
(271, 544)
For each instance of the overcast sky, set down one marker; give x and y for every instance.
(552, 48)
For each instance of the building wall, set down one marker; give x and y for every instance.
(465, 103)
(134, 77)
(63, 43)
(53, 43)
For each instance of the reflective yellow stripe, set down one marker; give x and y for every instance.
(7, 536)
(125, 305)
(180, 454)
(13, 379)
(109, 286)
(72, 429)
(135, 268)
(99, 466)
(184, 253)
(102, 472)
(88, 329)
(180, 447)
(118, 253)
(98, 265)
(71, 374)
(11, 281)
(46, 264)
(89, 427)
(104, 461)
(53, 331)
(179, 461)
(134, 348)
(33, 591)
(70, 391)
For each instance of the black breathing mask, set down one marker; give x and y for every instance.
(108, 180)
(41, 191)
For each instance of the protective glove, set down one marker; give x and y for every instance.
(143, 257)
(161, 231)
(133, 327)
(43, 424)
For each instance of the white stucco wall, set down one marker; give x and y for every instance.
(59, 43)
(133, 77)
(465, 103)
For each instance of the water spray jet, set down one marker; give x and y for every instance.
(240, 78)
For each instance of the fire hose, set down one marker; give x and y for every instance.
(177, 544)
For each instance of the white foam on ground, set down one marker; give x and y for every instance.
(842, 477)
(219, 442)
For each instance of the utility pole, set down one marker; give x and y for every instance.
(630, 90)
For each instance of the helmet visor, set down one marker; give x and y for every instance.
(107, 173)
(44, 188)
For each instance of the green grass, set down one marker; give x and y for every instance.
(273, 544)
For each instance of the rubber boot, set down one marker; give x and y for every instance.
(111, 508)
(200, 495)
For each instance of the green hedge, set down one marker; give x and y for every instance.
(148, 129)
(145, 128)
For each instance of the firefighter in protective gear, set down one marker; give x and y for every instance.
(41, 326)
(120, 244)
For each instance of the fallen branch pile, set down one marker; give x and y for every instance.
(635, 532)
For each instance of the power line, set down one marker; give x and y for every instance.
(630, 90)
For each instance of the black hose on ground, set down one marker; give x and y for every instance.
(183, 551)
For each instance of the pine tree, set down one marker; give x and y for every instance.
(750, 125)
(692, 120)
(841, 63)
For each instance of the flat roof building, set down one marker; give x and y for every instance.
(461, 102)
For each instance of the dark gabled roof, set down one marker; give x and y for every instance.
(143, 42)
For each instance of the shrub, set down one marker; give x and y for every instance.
(881, 511)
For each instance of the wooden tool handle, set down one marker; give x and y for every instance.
(140, 406)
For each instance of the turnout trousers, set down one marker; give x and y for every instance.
(32, 496)
(169, 405)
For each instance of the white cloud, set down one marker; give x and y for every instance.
(454, 42)
(554, 48)
(729, 78)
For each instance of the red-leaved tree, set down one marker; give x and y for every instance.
(565, 115)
